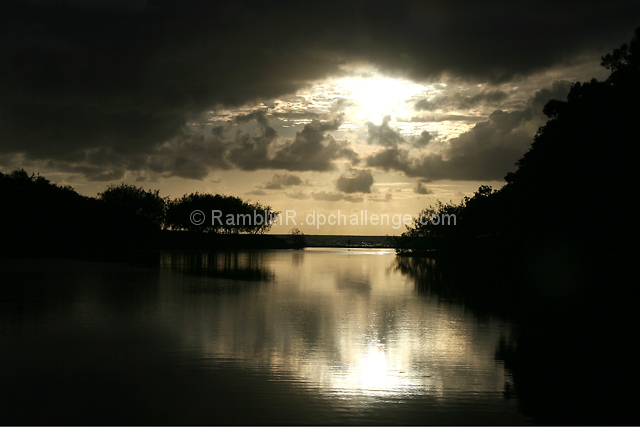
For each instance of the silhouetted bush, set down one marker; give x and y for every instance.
(134, 200)
(41, 217)
(218, 214)
(296, 239)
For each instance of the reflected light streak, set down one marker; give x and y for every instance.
(321, 326)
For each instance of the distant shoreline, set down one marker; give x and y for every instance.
(346, 241)
(189, 241)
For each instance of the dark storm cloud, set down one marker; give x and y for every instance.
(91, 173)
(127, 77)
(188, 156)
(391, 159)
(312, 148)
(277, 181)
(383, 135)
(280, 182)
(420, 188)
(387, 136)
(447, 118)
(75, 78)
(358, 182)
(296, 115)
(423, 140)
(461, 102)
(251, 151)
(231, 146)
(486, 152)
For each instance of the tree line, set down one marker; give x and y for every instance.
(573, 187)
(220, 213)
(37, 214)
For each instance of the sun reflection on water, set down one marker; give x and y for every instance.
(346, 324)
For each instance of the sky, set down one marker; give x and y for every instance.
(348, 108)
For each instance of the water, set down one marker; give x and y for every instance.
(320, 336)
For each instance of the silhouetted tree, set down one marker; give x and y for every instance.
(136, 200)
(433, 228)
(572, 184)
(297, 239)
(218, 214)
(40, 216)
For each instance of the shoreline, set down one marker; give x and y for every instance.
(185, 241)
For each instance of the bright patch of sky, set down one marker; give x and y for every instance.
(361, 95)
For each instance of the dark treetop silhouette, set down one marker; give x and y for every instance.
(572, 186)
(43, 218)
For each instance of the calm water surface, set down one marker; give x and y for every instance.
(320, 336)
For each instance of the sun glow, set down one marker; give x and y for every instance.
(377, 97)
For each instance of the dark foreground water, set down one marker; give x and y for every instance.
(320, 336)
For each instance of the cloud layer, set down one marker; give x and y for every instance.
(486, 152)
(358, 182)
(102, 88)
